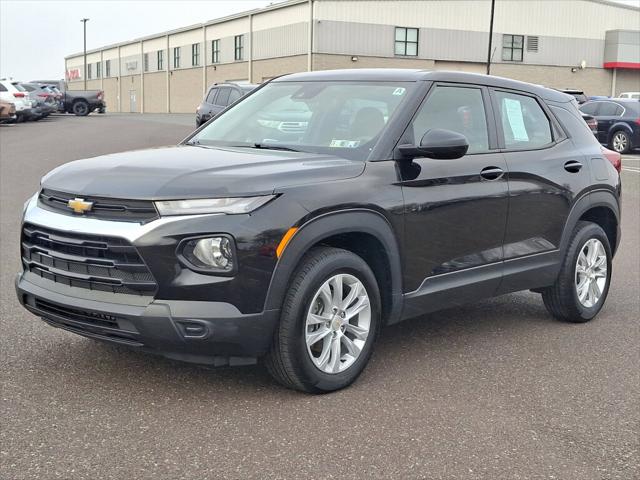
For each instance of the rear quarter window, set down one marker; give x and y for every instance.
(577, 128)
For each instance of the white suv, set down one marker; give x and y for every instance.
(21, 100)
(630, 95)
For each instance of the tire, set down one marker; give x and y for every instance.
(298, 366)
(562, 299)
(80, 108)
(620, 142)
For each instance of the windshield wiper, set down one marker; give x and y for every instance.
(270, 146)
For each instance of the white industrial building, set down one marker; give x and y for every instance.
(593, 45)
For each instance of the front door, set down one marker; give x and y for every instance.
(455, 210)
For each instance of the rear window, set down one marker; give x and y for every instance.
(524, 123)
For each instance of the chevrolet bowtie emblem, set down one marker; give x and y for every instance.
(78, 205)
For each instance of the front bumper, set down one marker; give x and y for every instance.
(212, 333)
(191, 317)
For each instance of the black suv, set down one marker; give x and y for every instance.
(406, 192)
(219, 97)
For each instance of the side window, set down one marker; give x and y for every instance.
(3, 88)
(609, 109)
(460, 109)
(211, 96)
(524, 123)
(223, 97)
(233, 96)
(590, 108)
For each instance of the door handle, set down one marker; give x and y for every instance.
(491, 173)
(572, 166)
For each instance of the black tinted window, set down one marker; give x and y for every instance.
(223, 97)
(3, 88)
(524, 123)
(211, 96)
(589, 108)
(609, 109)
(458, 109)
(233, 96)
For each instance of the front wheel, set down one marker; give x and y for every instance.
(583, 283)
(330, 320)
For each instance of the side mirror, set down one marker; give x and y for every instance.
(439, 144)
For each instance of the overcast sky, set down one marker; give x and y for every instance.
(35, 35)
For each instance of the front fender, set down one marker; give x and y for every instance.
(326, 225)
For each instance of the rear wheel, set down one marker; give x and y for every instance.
(620, 142)
(81, 108)
(583, 283)
(329, 322)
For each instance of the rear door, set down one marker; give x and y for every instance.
(209, 103)
(545, 171)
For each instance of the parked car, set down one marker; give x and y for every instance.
(42, 104)
(618, 122)
(21, 100)
(633, 95)
(441, 189)
(7, 111)
(78, 102)
(579, 95)
(219, 97)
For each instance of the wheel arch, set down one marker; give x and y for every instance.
(600, 207)
(356, 230)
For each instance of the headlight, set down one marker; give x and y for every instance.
(211, 254)
(212, 205)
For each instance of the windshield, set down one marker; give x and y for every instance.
(340, 118)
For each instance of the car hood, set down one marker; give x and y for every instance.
(196, 172)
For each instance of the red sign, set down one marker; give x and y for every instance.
(73, 74)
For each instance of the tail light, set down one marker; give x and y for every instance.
(44, 95)
(100, 94)
(593, 124)
(19, 95)
(637, 121)
(614, 157)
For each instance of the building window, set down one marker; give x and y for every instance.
(406, 41)
(160, 59)
(107, 68)
(215, 51)
(176, 57)
(512, 46)
(89, 74)
(145, 62)
(98, 69)
(238, 42)
(195, 54)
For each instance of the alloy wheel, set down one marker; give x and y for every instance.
(591, 272)
(619, 142)
(338, 323)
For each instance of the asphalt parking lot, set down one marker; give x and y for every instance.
(495, 390)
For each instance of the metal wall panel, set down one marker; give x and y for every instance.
(350, 38)
(281, 41)
(567, 18)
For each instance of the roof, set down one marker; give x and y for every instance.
(413, 75)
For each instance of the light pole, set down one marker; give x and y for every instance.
(84, 27)
(493, 7)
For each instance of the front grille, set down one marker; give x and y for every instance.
(141, 211)
(94, 262)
